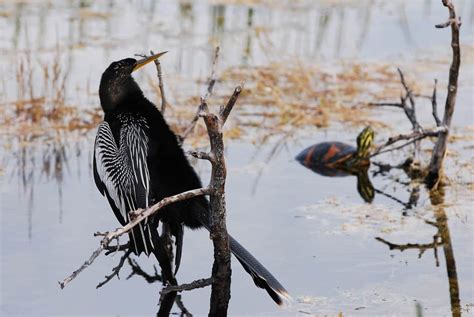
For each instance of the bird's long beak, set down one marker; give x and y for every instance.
(147, 60)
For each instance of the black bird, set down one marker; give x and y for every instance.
(138, 161)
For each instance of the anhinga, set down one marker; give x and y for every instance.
(138, 161)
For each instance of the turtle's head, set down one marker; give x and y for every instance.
(117, 82)
(364, 142)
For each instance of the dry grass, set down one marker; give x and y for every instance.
(41, 105)
(282, 98)
(279, 99)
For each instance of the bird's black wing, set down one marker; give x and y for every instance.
(121, 174)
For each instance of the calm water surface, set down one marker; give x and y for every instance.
(314, 233)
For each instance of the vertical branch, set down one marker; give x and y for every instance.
(434, 105)
(164, 103)
(439, 152)
(212, 79)
(210, 87)
(221, 270)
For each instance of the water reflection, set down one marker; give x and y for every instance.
(33, 161)
(255, 32)
(442, 237)
(412, 184)
(90, 33)
(364, 186)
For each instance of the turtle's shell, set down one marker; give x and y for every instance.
(326, 154)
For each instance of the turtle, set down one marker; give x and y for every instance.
(341, 159)
(338, 155)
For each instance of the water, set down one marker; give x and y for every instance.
(314, 233)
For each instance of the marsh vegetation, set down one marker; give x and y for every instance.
(312, 69)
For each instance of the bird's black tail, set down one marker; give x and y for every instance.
(259, 273)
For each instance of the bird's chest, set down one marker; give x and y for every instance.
(129, 130)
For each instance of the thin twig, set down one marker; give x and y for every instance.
(400, 146)
(190, 127)
(164, 102)
(407, 89)
(210, 87)
(212, 78)
(386, 104)
(413, 137)
(434, 105)
(116, 270)
(74, 274)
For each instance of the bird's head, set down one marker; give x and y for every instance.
(117, 81)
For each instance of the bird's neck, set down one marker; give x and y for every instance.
(113, 96)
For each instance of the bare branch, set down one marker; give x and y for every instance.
(410, 110)
(201, 155)
(434, 105)
(225, 111)
(117, 248)
(407, 89)
(386, 104)
(187, 287)
(74, 274)
(115, 270)
(210, 87)
(400, 146)
(142, 214)
(212, 78)
(136, 217)
(413, 137)
(449, 23)
(164, 102)
(190, 127)
(439, 152)
(221, 269)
